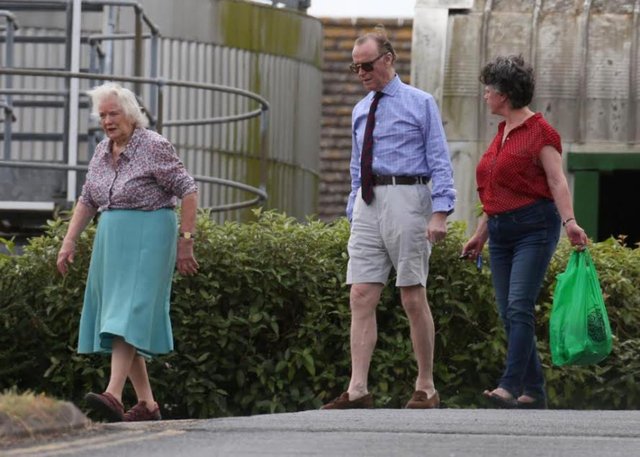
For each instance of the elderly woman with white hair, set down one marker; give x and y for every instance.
(133, 181)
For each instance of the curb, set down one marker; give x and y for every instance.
(64, 417)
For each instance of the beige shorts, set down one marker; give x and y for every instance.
(391, 232)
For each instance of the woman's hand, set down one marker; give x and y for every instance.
(66, 255)
(185, 261)
(473, 247)
(575, 233)
(82, 215)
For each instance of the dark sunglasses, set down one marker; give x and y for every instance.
(366, 66)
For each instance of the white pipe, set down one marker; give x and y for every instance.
(108, 28)
(72, 175)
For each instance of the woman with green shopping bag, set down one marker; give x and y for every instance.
(525, 199)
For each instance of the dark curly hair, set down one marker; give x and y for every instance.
(512, 77)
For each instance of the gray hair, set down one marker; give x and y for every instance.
(379, 36)
(124, 97)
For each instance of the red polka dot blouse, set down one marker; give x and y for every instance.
(510, 175)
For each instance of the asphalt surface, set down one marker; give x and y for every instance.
(380, 432)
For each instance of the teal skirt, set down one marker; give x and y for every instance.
(129, 282)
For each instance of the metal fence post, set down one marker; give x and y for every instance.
(8, 109)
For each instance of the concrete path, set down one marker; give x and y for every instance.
(380, 432)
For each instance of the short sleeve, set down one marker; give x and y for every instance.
(170, 172)
(86, 195)
(552, 137)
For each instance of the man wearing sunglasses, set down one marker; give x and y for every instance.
(398, 147)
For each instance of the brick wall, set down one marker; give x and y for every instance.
(341, 91)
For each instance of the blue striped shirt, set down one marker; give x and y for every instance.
(408, 140)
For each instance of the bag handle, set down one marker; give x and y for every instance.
(575, 259)
(586, 255)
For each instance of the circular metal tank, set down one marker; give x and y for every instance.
(587, 64)
(584, 52)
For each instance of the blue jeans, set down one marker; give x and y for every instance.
(521, 244)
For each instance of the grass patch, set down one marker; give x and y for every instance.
(30, 415)
(28, 404)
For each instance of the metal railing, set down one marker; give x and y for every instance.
(159, 86)
(154, 110)
(7, 102)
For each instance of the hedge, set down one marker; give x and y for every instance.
(264, 326)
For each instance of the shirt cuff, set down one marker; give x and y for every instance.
(442, 206)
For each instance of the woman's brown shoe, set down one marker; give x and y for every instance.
(420, 400)
(105, 406)
(140, 412)
(343, 402)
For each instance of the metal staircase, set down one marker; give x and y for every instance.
(48, 136)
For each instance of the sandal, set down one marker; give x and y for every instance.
(537, 403)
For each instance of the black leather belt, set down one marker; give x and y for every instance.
(379, 180)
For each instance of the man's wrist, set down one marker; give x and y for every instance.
(441, 209)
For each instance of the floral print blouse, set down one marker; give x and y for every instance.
(147, 176)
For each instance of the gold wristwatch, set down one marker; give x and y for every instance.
(187, 235)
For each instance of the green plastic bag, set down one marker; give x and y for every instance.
(579, 327)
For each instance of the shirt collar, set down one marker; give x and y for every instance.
(132, 145)
(134, 141)
(524, 125)
(391, 88)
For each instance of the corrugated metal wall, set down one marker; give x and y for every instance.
(227, 150)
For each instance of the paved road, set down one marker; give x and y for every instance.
(381, 432)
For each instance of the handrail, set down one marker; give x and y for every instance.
(261, 194)
(46, 93)
(140, 18)
(8, 109)
(125, 3)
(135, 5)
(159, 83)
(10, 18)
(156, 97)
(116, 37)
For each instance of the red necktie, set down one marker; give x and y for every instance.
(366, 157)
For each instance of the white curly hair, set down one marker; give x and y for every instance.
(124, 97)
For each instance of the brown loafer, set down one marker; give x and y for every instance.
(420, 400)
(105, 407)
(343, 402)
